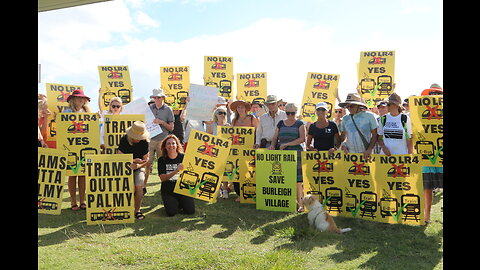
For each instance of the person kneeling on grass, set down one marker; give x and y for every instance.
(136, 142)
(169, 166)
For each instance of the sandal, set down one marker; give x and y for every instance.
(83, 206)
(300, 209)
(139, 216)
(75, 207)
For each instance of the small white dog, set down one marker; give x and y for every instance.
(318, 216)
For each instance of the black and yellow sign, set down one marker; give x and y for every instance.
(376, 76)
(218, 73)
(115, 126)
(252, 87)
(319, 87)
(52, 165)
(176, 83)
(115, 82)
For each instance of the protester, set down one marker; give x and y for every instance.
(395, 129)
(323, 131)
(359, 128)
(165, 119)
(242, 119)
(169, 166)
(406, 106)
(225, 103)
(257, 109)
(432, 176)
(135, 142)
(281, 104)
(178, 130)
(289, 135)
(78, 103)
(43, 113)
(339, 113)
(268, 122)
(219, 119)
(115, 107)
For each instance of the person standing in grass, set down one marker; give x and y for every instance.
(323, 132)
(169, 166)
(135, 142)
(78, 103)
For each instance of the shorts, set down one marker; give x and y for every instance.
(153, 147)
(432, 177)
(139, 176)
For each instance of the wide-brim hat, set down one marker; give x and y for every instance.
(394, 98)
(271, 99)
(138, 131)
(353, 98)
(77, 93)
(158, 92)
(235, 104)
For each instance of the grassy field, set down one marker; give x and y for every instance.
(229, 235)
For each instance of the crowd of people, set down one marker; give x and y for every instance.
(384, 129)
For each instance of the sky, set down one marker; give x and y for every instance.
(285, 38)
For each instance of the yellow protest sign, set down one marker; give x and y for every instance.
(176, 83)
(218, 72)
(52, 164)
(115, 82)
(399, 189)
(376, 75)
(79, 134)
(247, 178)
(276, 184)
(252, 87)
(319, 87)
(204, 165)
(232, 165)
(109, 189)
(241, 136)
(115, 126)
(57, 95)
(426, 114)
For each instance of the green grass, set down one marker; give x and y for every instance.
(229, 235)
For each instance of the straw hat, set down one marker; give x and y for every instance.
(77, 93)
(353, 98)
(138, 131)
(235, 104)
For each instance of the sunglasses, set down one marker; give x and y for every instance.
(338, 111)
(321, 109)
(281, 105)
(116, 106)
(290, 113)
(220, 113)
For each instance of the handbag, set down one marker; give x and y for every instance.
(365, 143)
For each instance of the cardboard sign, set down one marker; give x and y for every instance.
(79, 134)
(52, 165)
(176, 83)
(276, 185)
(109, 189)
(218, 73)
(203, 100)
(204, 165)
(252, 87)
(319, 87)
(140, 106)
(426, 114)
(114, 82)
(376, 76)
(57, 95)
(115, 126)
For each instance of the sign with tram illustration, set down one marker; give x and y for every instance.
(115, 82)
(426, 114)
(252, 87)
(204, 166)
(376, 76)
(175, 81)
(109, 189)
(218, 73)
(384, 188)
(319, 87)
(52, 164)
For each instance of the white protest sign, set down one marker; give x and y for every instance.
(140, 106)
(203, 100)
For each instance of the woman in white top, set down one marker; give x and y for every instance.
(115, 107)
(395, 129)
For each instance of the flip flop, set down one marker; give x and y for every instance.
(139, 216)
(75, 207)
(83, 206)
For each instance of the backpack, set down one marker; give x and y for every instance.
(403, 119)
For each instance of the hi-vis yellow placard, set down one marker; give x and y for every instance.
(238, 136)
(115, 126)
(319, 87)
(383, 189)
(204, 165)
(52, 165)
(376, 75)
(426, 114)
(79, 134)
(109, 189)
(176, 83)
(218, 72)
(252, 87)
(247, 179)
(114, 82)
(57, 95)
